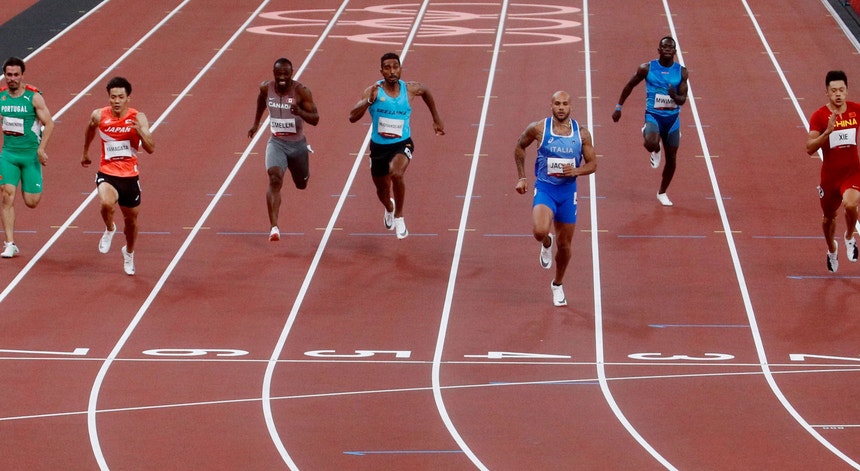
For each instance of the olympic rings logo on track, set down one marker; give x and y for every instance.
(444, 24)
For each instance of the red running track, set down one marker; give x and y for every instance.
(703, 336)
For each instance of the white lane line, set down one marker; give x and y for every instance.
(291, 319)
(94, 392)
(595, 261)
(750, 313)
(461, 232)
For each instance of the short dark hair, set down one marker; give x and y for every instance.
(119, 82)
(282, 60)
(670, 38)
(13, 61)
(388, 55)
(835, 75)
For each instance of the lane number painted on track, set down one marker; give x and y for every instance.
(195, 352)
(661, 357)
(358, 353)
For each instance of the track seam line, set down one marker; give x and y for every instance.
(555, 382)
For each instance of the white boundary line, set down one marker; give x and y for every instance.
(455, 262)
(94, 392)
(729, 237)
(595, 256)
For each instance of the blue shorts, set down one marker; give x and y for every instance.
(560, 199)
(668, 127)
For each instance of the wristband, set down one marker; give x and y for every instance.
(617, 107)
(524, 178)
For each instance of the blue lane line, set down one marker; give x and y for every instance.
(733, 326)
(399, 452)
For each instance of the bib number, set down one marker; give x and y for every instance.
(664, 102)
(13, 126)
(282, 126)
(118, 150)
(391, 128)
(843, 137)
(555, 166)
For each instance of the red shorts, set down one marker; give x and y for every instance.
(833, 186)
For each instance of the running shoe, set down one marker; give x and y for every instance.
(851, 248)
(546, 254)
(9, 249)
(107, 237)
(274, 234)
(655, 159)
(388, 216)
(127, 261)
(832, 262)
(558, 298)
(400, 228)
(663, 199)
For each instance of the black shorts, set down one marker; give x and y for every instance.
(382, 154)
(128, 188)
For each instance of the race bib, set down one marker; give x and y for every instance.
(843, 137)
(118, 150)
(388, 127)
(664, 102)
(13, 126)
(555, 166)
(282, 126)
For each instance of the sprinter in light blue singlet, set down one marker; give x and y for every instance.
(665, 93)
(391, 146)
(564, 153)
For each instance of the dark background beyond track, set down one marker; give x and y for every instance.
(36, 25)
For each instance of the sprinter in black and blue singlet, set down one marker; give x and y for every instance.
(665, 93)
(564, 153)
(391, 146)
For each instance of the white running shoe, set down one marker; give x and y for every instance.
(832, 261)
(388, 216)
(663, 199)
(546, 254)
(9, 249)
(851, 249)
(127, 261)
(400, 228)
(558, 298)
(655, 159)
(274, 234)
(107, 237)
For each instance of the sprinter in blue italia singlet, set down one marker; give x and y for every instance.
(564, 153)
(391, 146)
(665, 93)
